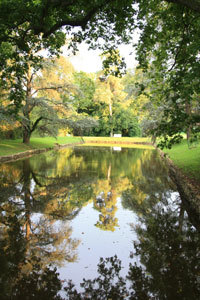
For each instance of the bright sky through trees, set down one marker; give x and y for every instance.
(90, 61)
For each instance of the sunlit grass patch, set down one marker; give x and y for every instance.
(124, 145)
(118, 139)
(127, 142)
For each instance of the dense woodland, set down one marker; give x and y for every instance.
(45, 95)
(63, 101)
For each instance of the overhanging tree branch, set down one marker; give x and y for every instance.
(192, 4)
(54, 88)
(48, 88)
(36, 123)
(81, 21)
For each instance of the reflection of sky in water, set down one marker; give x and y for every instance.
(96, 243)
(56, 225)
(173, 203)
(117, 148)
(35, 218)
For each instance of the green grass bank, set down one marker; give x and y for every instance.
(10, 147)
(188, 160)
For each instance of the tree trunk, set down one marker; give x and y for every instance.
(111, 131)
(26, 110)
(111, 119)
(26, 136)
(188, 111)
(153, 139)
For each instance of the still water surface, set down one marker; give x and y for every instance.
(66, 209)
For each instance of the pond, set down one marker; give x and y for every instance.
(64, 210)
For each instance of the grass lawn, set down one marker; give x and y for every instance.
(186, 159)
(8, 147)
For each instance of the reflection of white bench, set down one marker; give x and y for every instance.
(117, 148)
(117, 135)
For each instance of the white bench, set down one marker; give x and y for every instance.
(117, 135)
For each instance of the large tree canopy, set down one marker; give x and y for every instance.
(169, 40)
(105, 19)
(47, 16)
(169, 52)
(27, 27)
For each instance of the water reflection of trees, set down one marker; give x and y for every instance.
(32, 241)
(137, 174)
(46, 237)
(23, 274)
(106, 203)
(39, 196)
(59, 184)
(168, 247)
(169, 250)
(150, 185)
